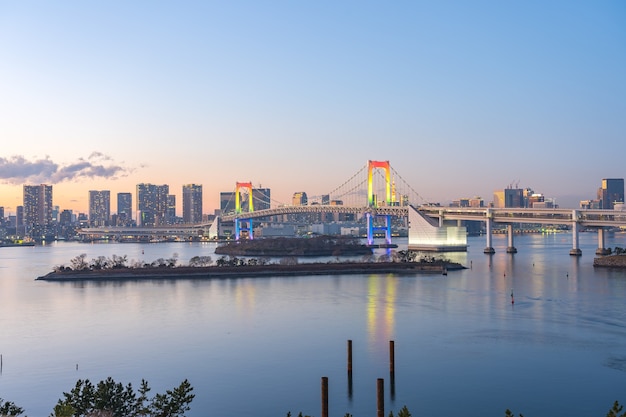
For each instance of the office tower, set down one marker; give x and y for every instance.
(227, 202)
(124, 209)
(37, 209)
(1, 215)
(151, 204)
(192, 203)
(300, 199)
(170, 211)
(19, 216)
(99, 208)
(508, 198)
(261, 198)
(611, 192)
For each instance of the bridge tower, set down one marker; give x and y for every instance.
(241, 222)
(374, 203)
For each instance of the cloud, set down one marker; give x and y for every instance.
(18, 170)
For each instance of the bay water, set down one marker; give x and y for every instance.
(260, 346)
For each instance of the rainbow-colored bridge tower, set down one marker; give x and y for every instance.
(243, 224)
(373, 203)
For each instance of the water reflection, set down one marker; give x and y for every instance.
(381, 302)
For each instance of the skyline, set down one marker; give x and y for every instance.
(462, 99)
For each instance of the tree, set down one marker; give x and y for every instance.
(616, 410)
(8, 408)
(78, 263)
(112, 399)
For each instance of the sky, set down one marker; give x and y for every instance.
(463, 98)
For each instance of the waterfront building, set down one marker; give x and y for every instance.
(37, 209)
(99, 208)
(508, 198)
(299, 199)
(152, 204)
(261, 198)
(611, 192)
(170, 214)
(227, 202)
(124, 209)
(192, 203)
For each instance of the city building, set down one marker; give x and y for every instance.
(152, 204)
(227, 202)
(170, 212)
(192, 203)
(611, 192)
(261, 198)
(124, 209)
(99, 208)
(300, 199)
(37, 210)
(508, 198)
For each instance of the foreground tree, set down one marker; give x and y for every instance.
(112, 399)
(7, 408)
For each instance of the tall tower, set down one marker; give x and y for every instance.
(37, 209)
(192, 203)
(99, 208)
(152, 204)
(124, 209)
(611, 192)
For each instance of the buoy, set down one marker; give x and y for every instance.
(512, 298)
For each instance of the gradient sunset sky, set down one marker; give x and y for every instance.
(462, 97)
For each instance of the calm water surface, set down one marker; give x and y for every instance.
(259, 347)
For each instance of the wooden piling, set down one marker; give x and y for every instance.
(324, 396)
(349, 357)
(392, 369)
(380, 397)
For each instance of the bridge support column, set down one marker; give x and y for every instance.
(575, 249)
(371, 228)
(601, 249)
(239, 229)
(509, 232)
(488, 249)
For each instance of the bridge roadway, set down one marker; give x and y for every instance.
(576, 218)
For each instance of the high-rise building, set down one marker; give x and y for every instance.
(151, 204)
(99, 208)
(227, 202)
(37, 209)
(508, 198)
(261, 198)
(300, 199)
(170, 212)
(124, 209)
(611, 192)
(192, 203)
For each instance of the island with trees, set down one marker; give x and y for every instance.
(202, 267)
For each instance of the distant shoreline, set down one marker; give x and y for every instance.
(251, 271)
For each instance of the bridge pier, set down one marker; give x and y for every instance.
(575, 249)
(509, 232)
(601, 249)
(488, 249)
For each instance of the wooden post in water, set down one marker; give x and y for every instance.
(349, 357)
(350, 369)
(380, 397)
(392, 369)
(324, 396)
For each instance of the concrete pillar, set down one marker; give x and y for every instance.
(488, 248)
(509, 232)
(601, 249)
(575, 249)
(440, 218)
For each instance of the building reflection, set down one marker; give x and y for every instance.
(381, 303)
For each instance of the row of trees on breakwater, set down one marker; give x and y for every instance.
(115, 262)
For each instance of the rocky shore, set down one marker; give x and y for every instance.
(271, 270)
(610, 261)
